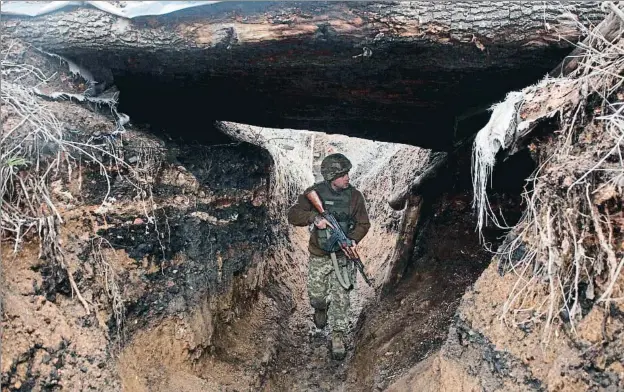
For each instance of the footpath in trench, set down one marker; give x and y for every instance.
(394, 332)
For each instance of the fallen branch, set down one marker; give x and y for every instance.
(404, 247)
(398, 200)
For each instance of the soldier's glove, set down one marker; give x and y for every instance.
(347, 244)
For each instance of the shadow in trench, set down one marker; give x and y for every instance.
(174, 111)
(411, 321)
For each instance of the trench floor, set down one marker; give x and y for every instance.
(390, 333)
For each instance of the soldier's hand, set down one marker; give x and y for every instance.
(350, 250)
(354, 250)
(322, 223)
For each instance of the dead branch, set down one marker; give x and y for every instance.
(404, 247)
(398, 200)
(609, 29)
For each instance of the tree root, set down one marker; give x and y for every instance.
(75, 290)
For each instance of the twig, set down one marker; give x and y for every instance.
(75, 288)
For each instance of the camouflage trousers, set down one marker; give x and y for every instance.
(325, 291)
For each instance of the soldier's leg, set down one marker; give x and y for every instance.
(338, 312)
(319, 269)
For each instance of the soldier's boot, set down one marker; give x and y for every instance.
(338, 348)
(320, 318)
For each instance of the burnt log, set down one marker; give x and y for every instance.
(230, 25)
(293, 33)
(392, 71)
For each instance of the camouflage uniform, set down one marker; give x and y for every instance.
(327, 296)
(325, 291)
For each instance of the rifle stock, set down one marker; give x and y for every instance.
(314, 198)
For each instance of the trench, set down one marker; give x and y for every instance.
(390, 332)
(216, 285)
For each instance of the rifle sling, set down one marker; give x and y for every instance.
(343, 280)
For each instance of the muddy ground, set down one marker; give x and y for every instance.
(398, 330)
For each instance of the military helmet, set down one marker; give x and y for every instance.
(334, 166)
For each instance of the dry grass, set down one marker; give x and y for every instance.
(567, 247)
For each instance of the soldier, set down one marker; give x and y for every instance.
(329, 295)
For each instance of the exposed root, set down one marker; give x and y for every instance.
(50, 249)
(75, 290)
(109, 281)
(566, 248)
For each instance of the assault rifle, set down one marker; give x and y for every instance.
(338, 236)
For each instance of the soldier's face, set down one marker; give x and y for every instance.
(341, 182)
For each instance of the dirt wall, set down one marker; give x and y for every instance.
(177, 270)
